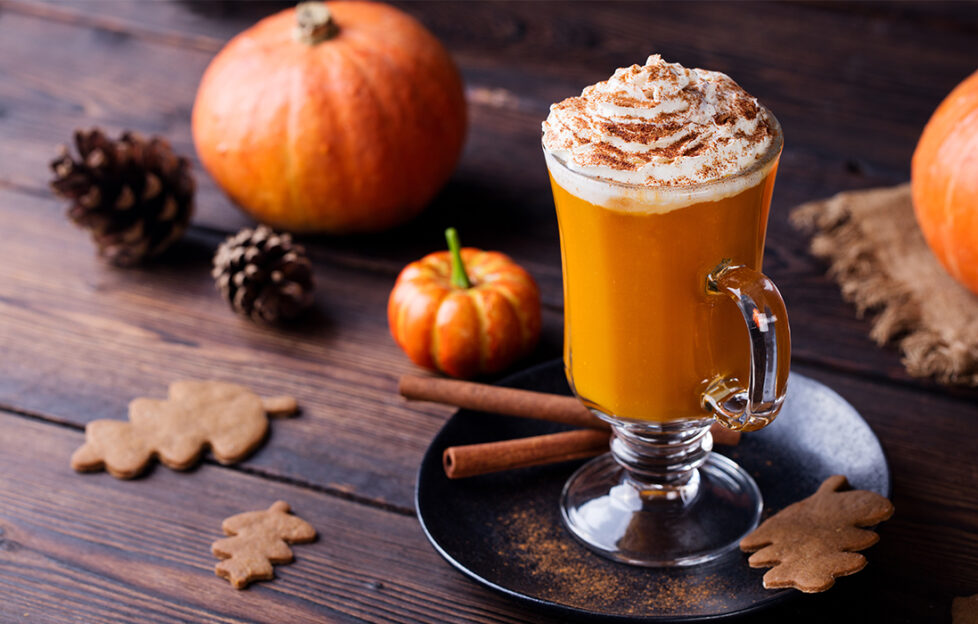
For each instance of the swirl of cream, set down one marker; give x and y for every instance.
(660, 125)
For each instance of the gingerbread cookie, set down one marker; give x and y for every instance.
(259, 540)
(812, 542)
(229, 418)
(965, 610)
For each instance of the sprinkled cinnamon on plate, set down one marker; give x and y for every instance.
(533, 544)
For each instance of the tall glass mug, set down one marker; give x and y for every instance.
(668, 325)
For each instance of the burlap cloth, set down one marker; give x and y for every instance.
(878, 256)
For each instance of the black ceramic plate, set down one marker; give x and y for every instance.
(504, 530)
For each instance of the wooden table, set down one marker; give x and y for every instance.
(852, 85)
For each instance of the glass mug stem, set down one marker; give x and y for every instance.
(661, 498)
(661, 460)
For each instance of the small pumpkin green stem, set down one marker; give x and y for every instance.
(460, 279)
(314, 23)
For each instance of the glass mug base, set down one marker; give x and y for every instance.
(695, 510)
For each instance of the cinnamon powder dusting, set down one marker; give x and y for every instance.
(660, 124)
(534, 545)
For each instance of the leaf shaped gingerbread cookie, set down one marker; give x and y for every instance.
(228, 418)
(258, 540)
(964, 610)
(812, 542)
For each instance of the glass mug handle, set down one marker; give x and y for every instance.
(754, 407)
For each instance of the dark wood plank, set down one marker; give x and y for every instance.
(852, 86)
(840, 87)
(153, 325)
(92, 548)
(925, 441)
(501, 179)
(81, 339)
(204, 25)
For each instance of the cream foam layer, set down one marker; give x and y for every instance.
(653, 199)
(663, 128)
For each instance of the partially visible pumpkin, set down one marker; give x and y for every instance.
(944, 183)
(464, 312)
(346, 117)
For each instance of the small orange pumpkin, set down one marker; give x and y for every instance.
(464, 312)
(346, 117)
(944, 182)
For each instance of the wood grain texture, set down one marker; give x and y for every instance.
(128, 333)
(92, 548)
(81, 339)
(501, 179)
(852, 86)
(924, 439)
(83, 312)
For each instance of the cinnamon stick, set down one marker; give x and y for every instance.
(524, 403)
(499, 400)
(477, 459)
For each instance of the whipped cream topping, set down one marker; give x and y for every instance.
(660, 125)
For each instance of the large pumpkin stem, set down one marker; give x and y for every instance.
(314, 23)
(460, 279)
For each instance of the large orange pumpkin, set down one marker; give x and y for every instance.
(338, 117)
(944, 182)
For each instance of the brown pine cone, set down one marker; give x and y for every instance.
(135, 195)
(263, 275)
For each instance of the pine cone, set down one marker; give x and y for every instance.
(263, 275)
(135, 195)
